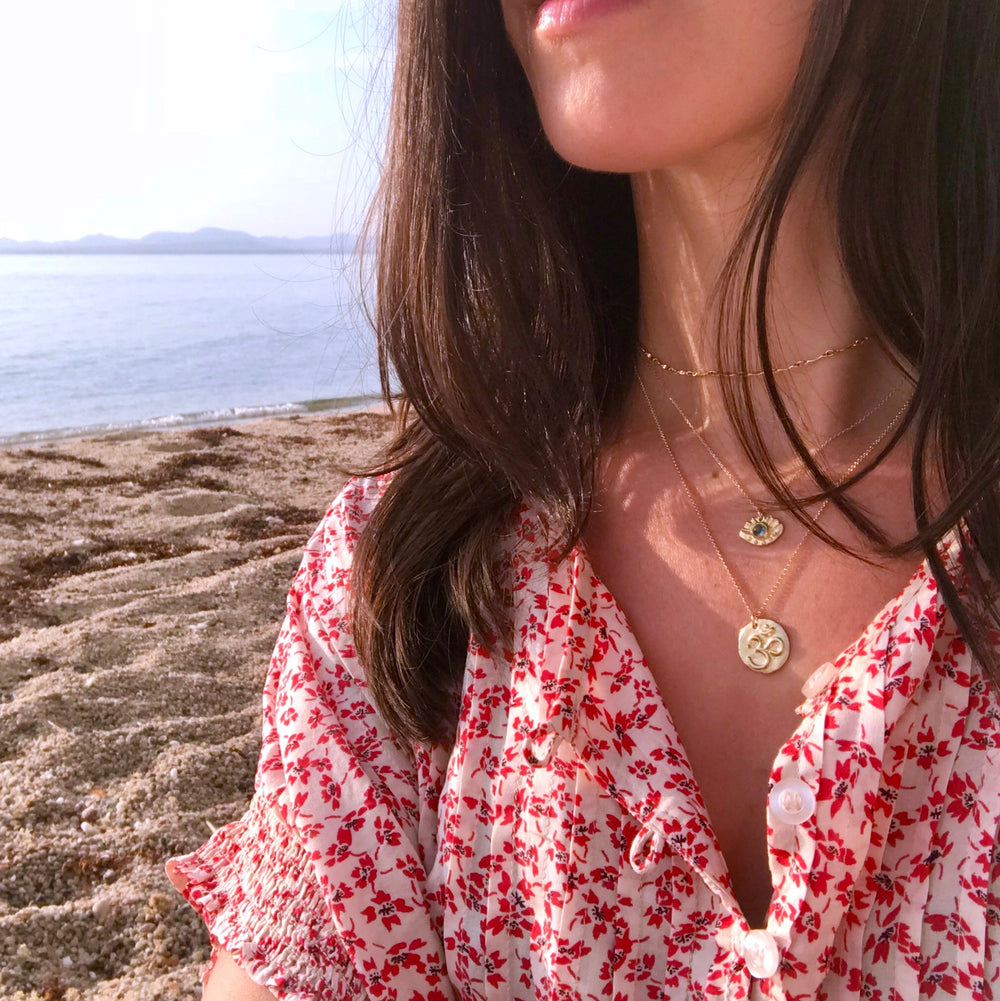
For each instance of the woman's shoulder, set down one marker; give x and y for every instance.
(329, 552)
(348, 514)
(531, 540)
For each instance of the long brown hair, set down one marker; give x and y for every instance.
(506, 309)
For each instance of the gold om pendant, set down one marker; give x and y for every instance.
(763, 646)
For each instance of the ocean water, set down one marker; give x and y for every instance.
(92, 343)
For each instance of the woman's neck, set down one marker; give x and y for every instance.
(687, 220)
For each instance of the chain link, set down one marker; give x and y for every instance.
(696, 374)
(759, 614)
(819, 448)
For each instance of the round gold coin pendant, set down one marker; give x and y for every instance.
(763, 646)
(761, 530)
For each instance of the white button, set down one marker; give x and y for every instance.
(760, 953)
(819, 681)
(792, 802)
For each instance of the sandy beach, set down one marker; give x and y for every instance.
(142, 584)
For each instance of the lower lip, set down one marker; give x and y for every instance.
(560, 17)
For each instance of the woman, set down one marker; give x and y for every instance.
(693, 307)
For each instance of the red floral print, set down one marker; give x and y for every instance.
(560, 849)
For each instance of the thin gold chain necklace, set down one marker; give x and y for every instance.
(762, 643)
(763, 529)
(707, 373)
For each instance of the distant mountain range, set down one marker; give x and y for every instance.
(205, 241)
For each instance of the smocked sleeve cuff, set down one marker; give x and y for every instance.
(254, 887)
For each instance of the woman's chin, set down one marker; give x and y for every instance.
(606, 152)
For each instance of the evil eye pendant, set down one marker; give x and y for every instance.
(761, 530)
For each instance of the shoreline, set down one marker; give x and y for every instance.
(142, 585)
(208, 418)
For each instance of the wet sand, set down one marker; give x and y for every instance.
(142, 584)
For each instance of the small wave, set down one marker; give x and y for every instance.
(224, 415)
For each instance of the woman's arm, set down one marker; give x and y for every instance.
(227, 982)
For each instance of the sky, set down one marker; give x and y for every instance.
(129, 116)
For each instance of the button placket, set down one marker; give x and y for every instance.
(791, 805)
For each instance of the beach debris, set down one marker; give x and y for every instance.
(159, 905)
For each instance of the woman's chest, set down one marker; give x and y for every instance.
(550, 887)
(575, 859)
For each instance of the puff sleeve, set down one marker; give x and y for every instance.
(319, 891)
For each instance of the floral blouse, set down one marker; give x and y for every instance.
(561, 848)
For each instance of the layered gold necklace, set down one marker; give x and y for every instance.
(762, 643)
(762, 529)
